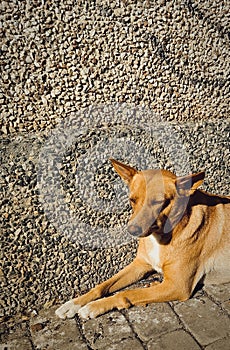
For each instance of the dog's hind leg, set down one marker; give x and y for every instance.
(130, 274)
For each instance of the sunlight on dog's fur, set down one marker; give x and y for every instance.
(183, 233)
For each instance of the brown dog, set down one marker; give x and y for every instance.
(184, 234)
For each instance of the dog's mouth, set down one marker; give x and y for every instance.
(137, 231)
(152, 229)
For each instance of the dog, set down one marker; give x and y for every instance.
(183, 234)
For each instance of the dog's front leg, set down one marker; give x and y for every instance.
(165, 291)
(130, 274)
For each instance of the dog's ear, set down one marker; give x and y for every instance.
(126, 172)
(186, 185)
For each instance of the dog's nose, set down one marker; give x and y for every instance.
(134, 230)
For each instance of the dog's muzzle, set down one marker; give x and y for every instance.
(134, 230)
(137, 231)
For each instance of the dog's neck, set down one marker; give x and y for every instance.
(201, 197)
(200, 201)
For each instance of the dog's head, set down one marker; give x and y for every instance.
(158, 198)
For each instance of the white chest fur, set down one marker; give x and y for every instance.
(152, 249)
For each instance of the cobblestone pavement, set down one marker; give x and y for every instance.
(199, 323)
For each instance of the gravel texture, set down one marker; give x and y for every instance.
(81, 81)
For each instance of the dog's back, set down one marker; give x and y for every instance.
(216, 211)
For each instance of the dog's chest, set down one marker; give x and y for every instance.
(152, 249)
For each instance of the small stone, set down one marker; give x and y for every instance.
(37, 327)
(4, 129)
(118, 11)
(29, 59)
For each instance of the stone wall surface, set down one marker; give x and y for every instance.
(146, 82)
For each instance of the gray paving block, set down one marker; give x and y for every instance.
(204, 319)
(226, 306)
(178, 340)
(222, 344)
(109, 330)
(49, 332)
(219, 292)
(16, 344)
(16, 339)
(126, 344)
(152, 320)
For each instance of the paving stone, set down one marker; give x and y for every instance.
(16, 344)
(152, 320)
(178, 340)
(109, 330)
(204, 319)
(222, 344)
(16, 339)
(219, 292)
(49, 332)
(226, 306)
(126, 344)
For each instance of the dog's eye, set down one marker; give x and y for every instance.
(157, 201)
(132, 200)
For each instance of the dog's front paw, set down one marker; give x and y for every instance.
(68, 310)
(96, 308)
(89, 311)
